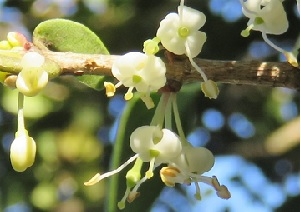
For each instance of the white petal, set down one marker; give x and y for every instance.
(141, 141)
(191, 18)
(251, 8)
(195, 42)
(195, 160)
(31, 81)
(168, 34)
(153, 74)
(169, 147)
(127, 66)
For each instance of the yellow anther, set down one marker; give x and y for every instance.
(291, 59)
(93, 180)
(167, 173)
(129, 94)
(110, 89)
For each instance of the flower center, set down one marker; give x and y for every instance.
(258, 21)
(183, 32)
(136, 78)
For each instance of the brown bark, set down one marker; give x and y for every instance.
(258, 73)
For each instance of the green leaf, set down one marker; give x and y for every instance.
(63, 35)
(134, 115)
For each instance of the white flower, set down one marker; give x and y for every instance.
(189, 167)
(178, 32)
(32, 78)
(150, 141)
(22, 151)
(155, 146)
(195, 160)
(144, 72)
(267, 16)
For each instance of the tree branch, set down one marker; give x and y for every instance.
(179, 70)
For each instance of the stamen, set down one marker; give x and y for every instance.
(210, 89)
(221, 191)
(121, 203)
(110, 89)
(99, 177)
(246, 32)
(197, 68)
(147, 101)
(138, 185)
(118, 85)
(197, 194)
(169, 172)
(132, 196)
(129, 94)
(289, 56)
(149, 173)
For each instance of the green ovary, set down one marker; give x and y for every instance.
(154, 153)
(258, 21)
(136, 79)
(183, 32)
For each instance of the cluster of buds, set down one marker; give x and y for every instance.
(268, 17)
(29, 82)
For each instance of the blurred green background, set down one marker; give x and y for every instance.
(252, 131)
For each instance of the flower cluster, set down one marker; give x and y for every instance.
(145, 72)
(268, 17)
(29, 82)
(178, 33)
(157, 144)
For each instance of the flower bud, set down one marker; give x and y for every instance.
(32, 79)
(16, 39)
(152, 142)
(22, 151)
